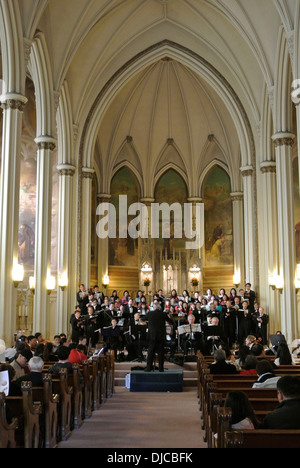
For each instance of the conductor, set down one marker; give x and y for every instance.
(157, 336)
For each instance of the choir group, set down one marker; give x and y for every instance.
(199, 322)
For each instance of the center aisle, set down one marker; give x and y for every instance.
(142, 420)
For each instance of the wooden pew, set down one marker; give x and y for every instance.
(257, 438)
(87, 390)
(7, 430)
(77, 397)
(61, 387)
(28, 431)
(49, 416)
(261, 400)
(261, 438)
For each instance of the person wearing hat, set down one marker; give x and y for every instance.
(20, 362)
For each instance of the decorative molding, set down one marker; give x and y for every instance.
(267, 167)
(45, 143)
(27, 50)
(13, 101)
(283, 139)
(246, 171)
(103, 197)
(237, 196)
(88, 173)
(66, 170)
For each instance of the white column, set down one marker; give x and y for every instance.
(269, 226)
(286, 237)
(103, 245)
(86, 207)
(249, 225)
(12, 105)
(238, 235)
(45, 145)
(65, 304)
(298, 135)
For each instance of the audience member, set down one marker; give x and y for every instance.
(287, 413)
(283, 355)
(266, 376)
(63, 353)
(220, 366)
(249, 367)
(20, 362)
(35, 366)
(243, 417)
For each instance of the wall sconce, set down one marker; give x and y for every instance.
(146, 268)
(17, 274)
(105, 281)
(276, 282)
(50, 283)
(195, 269)
(279, 283)
(32, 284)
(272, 282)
(63, 281)
(237, 279)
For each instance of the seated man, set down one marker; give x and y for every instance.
(213, 335)
(191, 339)
(35, 366)
(63, 353)
(287, 414)
(138, 338)
(220, 366)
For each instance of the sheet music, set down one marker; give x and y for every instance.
(187, 328)
(4, 382)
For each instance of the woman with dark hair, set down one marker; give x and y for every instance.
(243, 417)
(283, 355)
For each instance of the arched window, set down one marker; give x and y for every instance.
(218, 218)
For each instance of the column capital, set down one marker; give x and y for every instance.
(283, 139)
(195, 200)
(87, 173)
(66, 170)
(13, 101)
(147, 200)
(268, 167)
(45, 142)
(246, 171)
(103, 197)
(237, 196)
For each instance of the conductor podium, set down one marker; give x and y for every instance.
(171, 380)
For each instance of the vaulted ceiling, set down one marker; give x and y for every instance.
(167, 110)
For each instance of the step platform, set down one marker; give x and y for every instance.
(171, 380)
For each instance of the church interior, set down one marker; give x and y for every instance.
(187, 101)
(128, 129)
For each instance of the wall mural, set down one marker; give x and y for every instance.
(123, 252)
(170, 189)
(296, 207)
(218, 218)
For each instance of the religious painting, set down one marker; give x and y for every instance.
(296, 207)
(123, 251)
(170, 188)
(218, 217)
(27, 212)
(28, 172)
